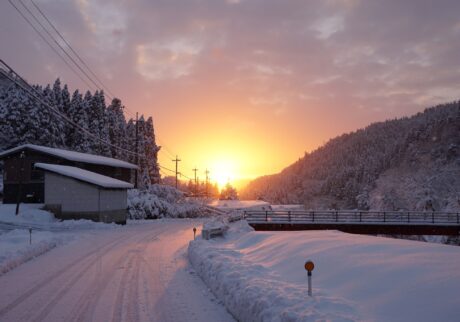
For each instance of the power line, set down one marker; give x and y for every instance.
(29, 90)
(165, 148)
(49, 44)
(59, 45)
(72, 49)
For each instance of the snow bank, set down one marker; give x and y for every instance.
(15, 248)
(47, 233)
(260, 277)
(31, 216)
(254, 293)
(160, 201)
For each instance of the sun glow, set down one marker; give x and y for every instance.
(223, 172)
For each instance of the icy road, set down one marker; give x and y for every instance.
(137, 273)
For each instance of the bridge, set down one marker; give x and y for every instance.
(359, 222)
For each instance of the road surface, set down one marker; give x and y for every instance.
(139, 272)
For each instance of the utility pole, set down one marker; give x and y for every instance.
(137, 151)
(196, 182)
(207, 182)
(177, 160)
(21, 174)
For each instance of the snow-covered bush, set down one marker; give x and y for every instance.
(160, 201)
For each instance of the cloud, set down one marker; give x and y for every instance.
(167, 60)
(315, 62)
(327, 26)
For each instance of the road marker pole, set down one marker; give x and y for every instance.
(309, 266)
(194, 232)
(30, 235)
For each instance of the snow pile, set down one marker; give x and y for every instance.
(260, 276)
(28, 214)
(47, 233)
(15, 248)
(31, 216)
(160, 201)
(252, 292)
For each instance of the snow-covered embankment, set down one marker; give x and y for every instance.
(252, 292)
(259, 276)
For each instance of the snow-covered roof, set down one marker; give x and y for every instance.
(85, 175)
(72, 156)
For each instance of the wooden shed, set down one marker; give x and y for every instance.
(21, 172)
(74, 193)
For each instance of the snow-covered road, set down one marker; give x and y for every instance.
(137, 273)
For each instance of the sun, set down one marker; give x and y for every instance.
(222, 172)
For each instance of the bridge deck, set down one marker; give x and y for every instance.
(366, 222)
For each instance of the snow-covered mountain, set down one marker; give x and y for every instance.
(402, 164)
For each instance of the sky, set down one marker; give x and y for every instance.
(244, 88)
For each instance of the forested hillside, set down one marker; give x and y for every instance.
(409, 163)
(23, 120)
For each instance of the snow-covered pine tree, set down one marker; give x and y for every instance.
(97, 123)
(78, 112)
(151, 152)
(116, 124)
(15, 118)
(144, 179)
(52, 126)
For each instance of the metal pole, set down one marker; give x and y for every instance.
(30, 236)
(137, 151)
(309, 284)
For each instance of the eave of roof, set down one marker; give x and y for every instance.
(72, 156)
(85, 176)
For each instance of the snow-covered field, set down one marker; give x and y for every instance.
(260, 276)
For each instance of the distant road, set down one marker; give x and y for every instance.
(136, 273)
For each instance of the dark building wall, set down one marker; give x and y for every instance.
(33, 179)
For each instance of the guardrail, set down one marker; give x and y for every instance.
(350, 217)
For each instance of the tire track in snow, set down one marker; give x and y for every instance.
(56, 275)
(88, 301)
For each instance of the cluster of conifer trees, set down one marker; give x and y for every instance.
(24, 120)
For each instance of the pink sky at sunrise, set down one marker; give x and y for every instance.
(244, 88)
